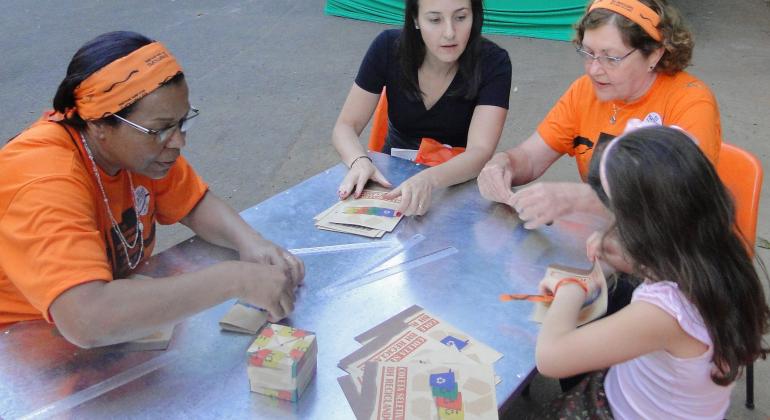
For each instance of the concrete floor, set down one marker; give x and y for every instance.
(270, 78)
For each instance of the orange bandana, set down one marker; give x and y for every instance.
(634, 10)
(125, 81)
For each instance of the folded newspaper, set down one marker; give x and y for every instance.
(415, 345)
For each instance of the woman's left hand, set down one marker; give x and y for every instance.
(544, 202)
(415, 195)
(259, 250)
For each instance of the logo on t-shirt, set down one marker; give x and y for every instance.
(142, 200)
(582, 145)
(653, 118)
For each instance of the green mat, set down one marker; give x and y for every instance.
(549, 19)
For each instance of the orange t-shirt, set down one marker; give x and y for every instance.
(579, 121)
(54, 229)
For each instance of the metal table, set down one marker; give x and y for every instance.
(454, 262)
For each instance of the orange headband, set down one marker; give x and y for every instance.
(634, 10)
(125, 81)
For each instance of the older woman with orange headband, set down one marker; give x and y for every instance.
(83, 188)
(634, 53)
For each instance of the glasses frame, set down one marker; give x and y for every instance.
(606, 61)
(165, 133)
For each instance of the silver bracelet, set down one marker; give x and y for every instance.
(356, 160)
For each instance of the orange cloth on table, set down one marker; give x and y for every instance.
(54, 229)
(125, 81)
(432, 153)
(579, 121)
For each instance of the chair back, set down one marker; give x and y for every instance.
(379, 124)
(741, 172)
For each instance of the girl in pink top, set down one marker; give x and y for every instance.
(700, 314)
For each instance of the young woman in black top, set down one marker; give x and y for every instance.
(444, 81)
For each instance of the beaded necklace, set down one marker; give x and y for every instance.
(139, 226)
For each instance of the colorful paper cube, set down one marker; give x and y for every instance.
(282, 361)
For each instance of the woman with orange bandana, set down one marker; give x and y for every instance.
(634, 53)
(83, 188)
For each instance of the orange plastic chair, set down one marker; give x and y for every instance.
(379, 124)
(741, 172)
(431, 152)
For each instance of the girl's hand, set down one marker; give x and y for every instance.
(594, 246)
(360, 172)
(606, 246)
(495, 179)
(415, 195)
(549, 285)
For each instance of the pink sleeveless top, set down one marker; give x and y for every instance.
(658, 385)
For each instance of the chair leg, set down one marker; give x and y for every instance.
(750, 386)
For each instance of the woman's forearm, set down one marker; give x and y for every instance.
(346, 142)
(459, 169)
(216, 222)
(102, 313)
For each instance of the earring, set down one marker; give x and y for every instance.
(417, 27)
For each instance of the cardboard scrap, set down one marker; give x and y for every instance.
(588, 313)
(426, 391)
(337, 219)
(244, 319)
(413, 345)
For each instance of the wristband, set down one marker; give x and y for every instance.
(580, 283)
(356, 160)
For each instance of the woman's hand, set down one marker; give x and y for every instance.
(495, 179)
(606, 246)
(265, 286)
(259, 250)
(361, 171)
(544, 202)
(415, 193)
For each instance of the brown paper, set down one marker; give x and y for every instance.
(335, 219)
(243, 319)
(156, 341)
(403, 390)
(352, 394)
(587, 314)
(434, 328)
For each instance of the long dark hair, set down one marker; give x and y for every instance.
(411, 53)
(92, 56)
(676, 220)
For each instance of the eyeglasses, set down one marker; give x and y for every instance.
(605, 61)
(183, 125)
